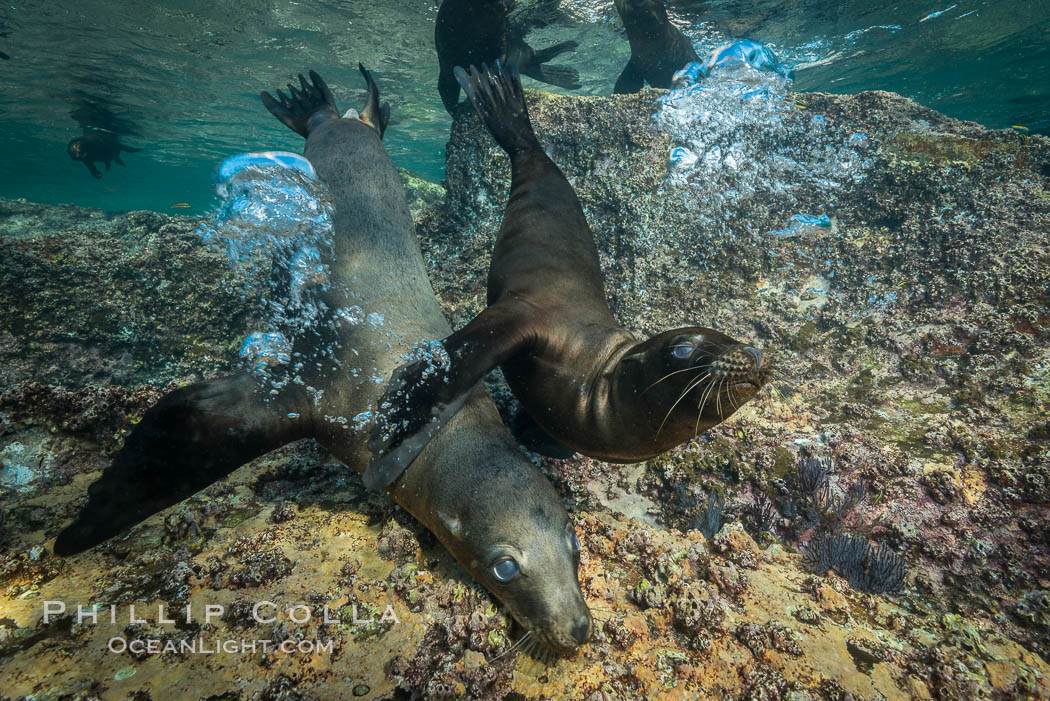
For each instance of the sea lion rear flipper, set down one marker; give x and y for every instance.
(499, 100)
(631, 79)
(306, 107)
(129, 149)
(550, 52)
(423, 395)
(373, 114)
(119, 162)
(192, 437)
(562, 76)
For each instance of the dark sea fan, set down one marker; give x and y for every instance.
(865, 566)
(825, 505)
(813, 473)
(762, 514)
(710, 520)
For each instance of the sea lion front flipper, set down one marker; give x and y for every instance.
(192, 437)
(374, 115)
(531, 435)
(424, 394)
(448, 88)
(95, 172)
(306, 107)
(499, 100)
(631, 80)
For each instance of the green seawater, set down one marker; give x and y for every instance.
(182, 78)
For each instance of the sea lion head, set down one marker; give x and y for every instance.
(695, 378)
(76, 149)
(504, 522)
(501, 6)
(641, 11)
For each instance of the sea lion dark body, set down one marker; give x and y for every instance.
(97, 146)
(461, 484)
(476, 31)
(658, 48)
(589, 383)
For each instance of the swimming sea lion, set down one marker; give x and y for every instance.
(98, 146)
(471, 486)
(658, 48)
(476, 31)
(589, 383)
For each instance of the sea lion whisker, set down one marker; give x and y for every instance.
(515, 646)
(705, 397)
(776, 388)
(732, 397)
(700, 408)
(699, 368)
(680, 398)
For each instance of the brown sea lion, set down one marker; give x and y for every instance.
(476, 31)
(522, 549)
(97, 146)
(589, 383)
(658, 48)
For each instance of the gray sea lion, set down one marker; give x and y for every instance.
(471, 486)
(588, 383)
(98, 146)
(658, 48)
(476, 31)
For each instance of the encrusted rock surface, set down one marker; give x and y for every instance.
(935, 397)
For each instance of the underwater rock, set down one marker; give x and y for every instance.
(929, 356)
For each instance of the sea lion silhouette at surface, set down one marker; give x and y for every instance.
(476, 31)
(472, 487)
(658, 48)
(102, 123)
(587, 382)
(98, 146)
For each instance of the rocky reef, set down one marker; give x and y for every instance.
(909, 312)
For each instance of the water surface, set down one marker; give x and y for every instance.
(182, 77)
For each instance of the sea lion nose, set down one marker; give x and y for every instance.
(581, 630)
(756, 354)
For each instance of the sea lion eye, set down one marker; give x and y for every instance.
(505, 570)
(575, 543)
(682, 351)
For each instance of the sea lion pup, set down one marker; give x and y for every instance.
(98, 146)
(472, 487)
(476, 31)
(588, 383)
(658, 48)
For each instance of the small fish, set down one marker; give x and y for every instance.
(180, 205)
